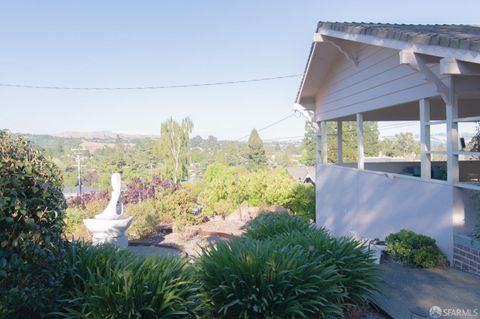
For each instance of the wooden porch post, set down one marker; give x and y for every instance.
(339, 142)
(319, 142)
(426, 164)
(324, 142)
(452, 135)
(361, 153)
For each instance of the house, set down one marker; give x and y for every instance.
(389, 72)
(302, 174)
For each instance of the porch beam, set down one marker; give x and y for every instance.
(361, 152)
(426, 161)
(453, 66)
(452, 135)
(339, 142)
(419, 62)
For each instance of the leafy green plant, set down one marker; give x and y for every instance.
(359, 275)
(180, 206)
(106, 282)
(351, 259)
(146, 217)
(280, 187)
(303, 201)
(228, 187)
(414, 249)
(31, 247)
(74, 217)
(223, 208)
(246, 278)
(268, 225)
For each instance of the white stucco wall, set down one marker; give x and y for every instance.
(373, 204)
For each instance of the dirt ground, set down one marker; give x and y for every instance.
(195, 237)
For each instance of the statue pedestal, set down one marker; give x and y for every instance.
(121, 241)
(109, 227)
(106, 231)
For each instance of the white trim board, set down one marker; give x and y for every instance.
(435, 50)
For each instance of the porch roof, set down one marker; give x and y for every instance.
(465, 37)
(455, 47)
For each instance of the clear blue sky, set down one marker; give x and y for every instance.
(136, 43)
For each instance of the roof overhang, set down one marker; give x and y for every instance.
(329, 44)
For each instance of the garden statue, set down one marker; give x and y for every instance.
(109, 226)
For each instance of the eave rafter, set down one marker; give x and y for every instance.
(419, 62)
(347, 49)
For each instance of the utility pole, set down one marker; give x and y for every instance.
(78, 158)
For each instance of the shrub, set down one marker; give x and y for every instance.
(139, 190)
(106, 282)
(219, 186)
(228, 185)
(414, 249)
(75, 215)
(223, 207)
(245, 278)
(146, 217)
(87, 198)
(268, 225)
(280, 187)
(73, 219)
(360, 277)
(180, 206)
(351, 259)
(255, 184)
(303, 201)
(31, 211)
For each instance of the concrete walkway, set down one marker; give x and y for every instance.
(411, 292)
(153, 251)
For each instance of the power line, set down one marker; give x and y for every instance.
(268, 126)
(153, 87)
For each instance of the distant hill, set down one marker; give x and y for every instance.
(87, 135)
(101, 135)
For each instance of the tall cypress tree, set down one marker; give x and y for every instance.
(256, 157)
(308, 155)
(475, 141)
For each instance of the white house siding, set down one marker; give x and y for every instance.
(378, 81)
(373, 205)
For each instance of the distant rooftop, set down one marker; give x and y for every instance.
(302, 173)
(465, 37)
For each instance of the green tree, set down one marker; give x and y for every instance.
(308, 154)
(173, 147)
(256, 155)
(401, 145)
(286, 156)
(475, 141)
(231, 154)
(350, 141)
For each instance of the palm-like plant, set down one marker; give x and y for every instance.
(105, 282)
(246, 278)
